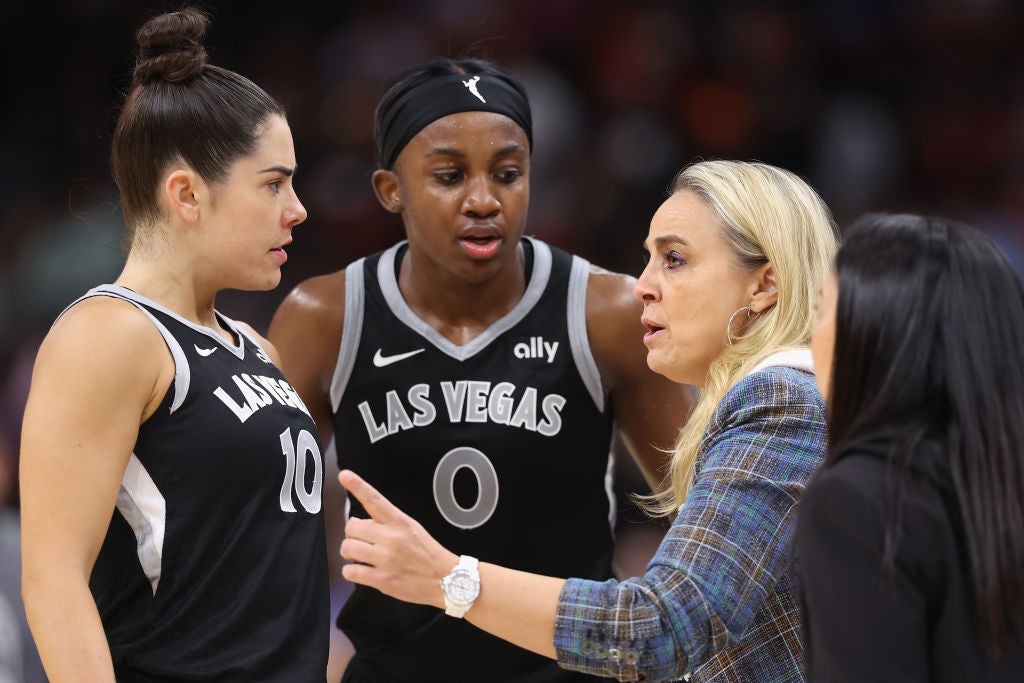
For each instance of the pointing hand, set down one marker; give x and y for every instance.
(391, 551)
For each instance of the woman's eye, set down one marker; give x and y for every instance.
(275, 186)
(673, 259)
(448, 177)
(509, 176)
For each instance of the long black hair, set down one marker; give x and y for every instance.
(929, 346)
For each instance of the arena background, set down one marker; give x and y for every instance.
(882, 105)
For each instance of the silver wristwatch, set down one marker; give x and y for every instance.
(461, 587)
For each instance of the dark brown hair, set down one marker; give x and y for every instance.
(181, 108)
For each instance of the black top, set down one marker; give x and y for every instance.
(500, 448)
(863, 622)
(214, 566)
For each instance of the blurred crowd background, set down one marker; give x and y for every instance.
(889, 105)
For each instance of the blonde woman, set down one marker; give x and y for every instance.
(737, 254)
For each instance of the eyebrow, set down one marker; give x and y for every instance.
(667, 239)
(447, 151)
(283, 170)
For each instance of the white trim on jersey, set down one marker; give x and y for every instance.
(143, 506)
(127, 294)
(576, 314)
(579, 342)
(182, 374)
(534, 289)
(351, 333)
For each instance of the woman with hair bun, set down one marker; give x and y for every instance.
(171, 478)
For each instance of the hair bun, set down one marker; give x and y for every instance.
(171, 47)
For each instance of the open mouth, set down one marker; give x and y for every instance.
(651, 329)
(481, 240)
(650, 326)
(480, 246)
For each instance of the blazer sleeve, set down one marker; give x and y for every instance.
(725, 551)
(862, 622)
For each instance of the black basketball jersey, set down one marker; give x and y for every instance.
(215, 566)
(500, 448)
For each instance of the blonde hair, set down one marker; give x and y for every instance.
(767, 215)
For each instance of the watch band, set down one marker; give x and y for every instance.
(461, 587)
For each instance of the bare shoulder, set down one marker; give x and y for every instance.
(316, 302)
(103, 322)
(103, 344)
(612, 311)
(305, 333)
(649, 409)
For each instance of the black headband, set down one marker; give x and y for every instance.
(439, 97)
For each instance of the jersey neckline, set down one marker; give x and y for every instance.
(538, 281)
(238, 350)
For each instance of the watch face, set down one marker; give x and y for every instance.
(461, 586)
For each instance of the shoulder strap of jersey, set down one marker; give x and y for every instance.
(182, 374)
(579, 342)
(351, 332)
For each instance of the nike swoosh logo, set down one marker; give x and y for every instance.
(204, 352)
(380, 360)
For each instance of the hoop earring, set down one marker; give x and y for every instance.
(728, 325)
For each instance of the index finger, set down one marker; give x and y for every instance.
(373, 501)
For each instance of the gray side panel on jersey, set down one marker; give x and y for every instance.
(144, 508)
(534, 290)
(182, 374)
(579, 342)
(353, 329)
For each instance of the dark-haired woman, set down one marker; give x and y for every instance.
(911, 539)
(171, 478)
(473, 374)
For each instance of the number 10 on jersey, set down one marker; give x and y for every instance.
(297, 455)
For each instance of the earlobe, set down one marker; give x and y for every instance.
(183, 189)
(766, 291)
(385, 186)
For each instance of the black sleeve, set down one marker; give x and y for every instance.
(862, 622)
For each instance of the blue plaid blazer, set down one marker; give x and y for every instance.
(720, 599)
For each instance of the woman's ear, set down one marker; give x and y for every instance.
(183, 190)
(766, 292)
(385, 186)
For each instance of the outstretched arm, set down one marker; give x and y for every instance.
(701, 593)
(394, 554)
(649, 409)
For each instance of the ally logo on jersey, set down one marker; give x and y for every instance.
(536, 347)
